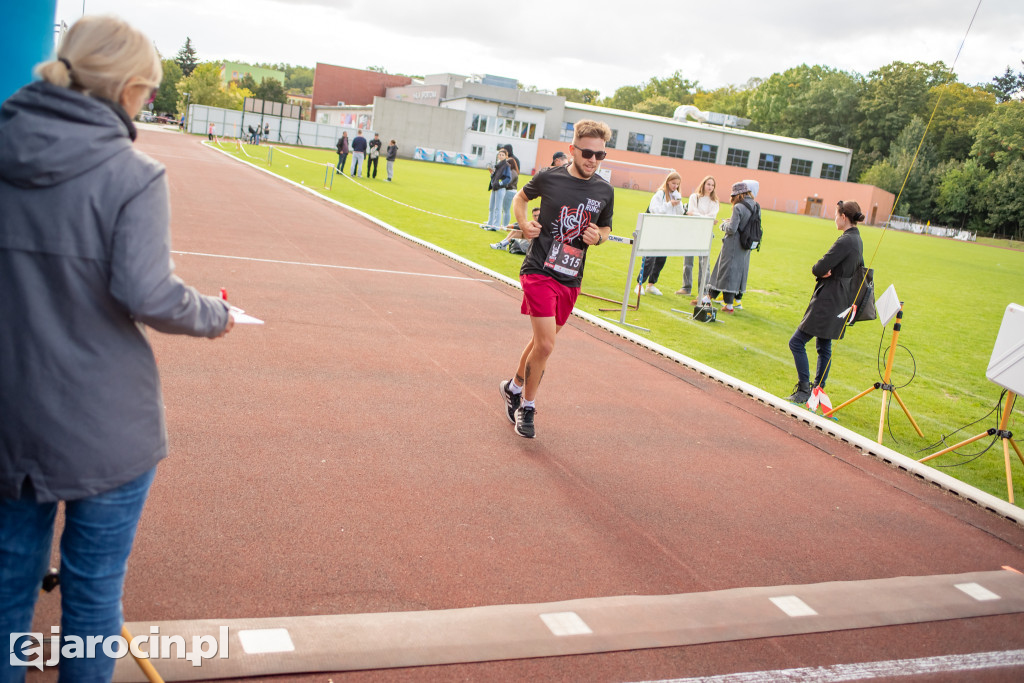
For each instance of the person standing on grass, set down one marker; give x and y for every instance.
(342, 152)
(358, 152)
(703, 202)
(729, 277)
(373, 154)
(392, 154)
(500, 176)
(834, 290)
(576, 207)
(666, 201)
(81, 412)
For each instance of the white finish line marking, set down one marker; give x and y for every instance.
(327, 265)
(793, 606)
(266, 640)
(565, 623)
(977, 591)
(868, 670)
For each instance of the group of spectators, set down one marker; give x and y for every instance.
(369, 152)
(255, 134)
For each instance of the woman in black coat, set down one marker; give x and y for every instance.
(833, 294)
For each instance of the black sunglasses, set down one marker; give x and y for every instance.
(588, 153)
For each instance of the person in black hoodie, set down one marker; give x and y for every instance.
(834, 290)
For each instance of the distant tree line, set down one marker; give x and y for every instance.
(968, 171)
(187, 80)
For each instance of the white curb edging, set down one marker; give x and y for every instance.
(884, 453)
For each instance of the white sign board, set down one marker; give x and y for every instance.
(1006, 367)
(669, 235)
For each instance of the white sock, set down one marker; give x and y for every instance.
(514, 388)
(528, 404)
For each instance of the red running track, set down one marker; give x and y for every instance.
(352, 456)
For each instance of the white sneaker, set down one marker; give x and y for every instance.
(636, 290)
(651, 289)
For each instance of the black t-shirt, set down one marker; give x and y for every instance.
(567, 206)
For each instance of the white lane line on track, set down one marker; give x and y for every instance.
(327, 265)
(868, 670)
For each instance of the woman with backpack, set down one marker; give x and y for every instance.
(834, 290)
(501, 175)
(729, 277)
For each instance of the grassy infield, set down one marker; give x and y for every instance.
(954, 297)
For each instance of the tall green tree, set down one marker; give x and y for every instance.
(999, 136)
(674, 88)
(583, 96)
(205, 87)
(893, 95)
(1005, 190)
(657, 105)
(187, 58)
(272, 90)
(1008, 86)
(960, 107)
(167, 97)
(625, 98)
(960, 195)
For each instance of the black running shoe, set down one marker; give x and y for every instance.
(524, 422)
(512, 401)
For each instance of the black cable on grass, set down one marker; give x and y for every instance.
(971, 457)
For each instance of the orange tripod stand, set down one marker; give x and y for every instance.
(885, 385)
(1006, 436)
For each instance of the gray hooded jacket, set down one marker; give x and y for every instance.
(84, 266)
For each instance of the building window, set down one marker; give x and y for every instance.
(479, 123)
(477, 150)
(638, 142)
(705, 152)
(769, 162)
(737, 157)
(615, 136)
(800, 167)
(673, 148)
(566, 133)
(831, 171)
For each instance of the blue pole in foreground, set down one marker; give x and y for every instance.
(27, 40)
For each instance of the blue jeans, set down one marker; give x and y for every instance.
(506, 206)
(797, 344)
(94, 547)
(497, 201)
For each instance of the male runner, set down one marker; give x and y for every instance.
(575, 214)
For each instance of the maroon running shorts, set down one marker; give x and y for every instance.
(546, 297)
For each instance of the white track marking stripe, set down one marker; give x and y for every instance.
(793, 606)
(565, 623)
(327, 265)
(977, 591)
(868, 670)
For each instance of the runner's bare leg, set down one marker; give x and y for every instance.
(535, 356)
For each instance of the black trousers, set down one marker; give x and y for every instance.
(650, 269)
(371, 163)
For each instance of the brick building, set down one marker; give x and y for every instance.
(337, 85)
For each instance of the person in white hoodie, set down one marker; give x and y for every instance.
(85, 269)
(703, 202)
(666, 200)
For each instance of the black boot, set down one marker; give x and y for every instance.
(802, 393)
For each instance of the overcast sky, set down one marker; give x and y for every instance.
(553, 43)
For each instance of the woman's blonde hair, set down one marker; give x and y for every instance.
(664, 186)
(714, 192)
(100, 56)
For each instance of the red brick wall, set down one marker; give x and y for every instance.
(333, 84)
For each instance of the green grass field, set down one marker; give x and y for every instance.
(954, 294)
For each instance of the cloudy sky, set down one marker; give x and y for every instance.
(553, 43)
